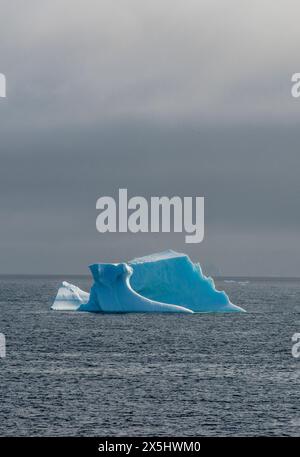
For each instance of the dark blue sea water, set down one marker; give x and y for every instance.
(201, 374)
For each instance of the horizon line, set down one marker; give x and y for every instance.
(84, 275)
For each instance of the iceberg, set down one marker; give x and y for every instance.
(112, 293)
(69, 297)
(166, 282)
(172, 277)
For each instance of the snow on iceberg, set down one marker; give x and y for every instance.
(163, 282)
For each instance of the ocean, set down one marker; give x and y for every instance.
(80, 374)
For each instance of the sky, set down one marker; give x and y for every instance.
(162, 98)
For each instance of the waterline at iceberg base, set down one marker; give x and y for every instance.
(167, 282)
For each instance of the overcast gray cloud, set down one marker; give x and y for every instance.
(198, 61)
(173, 97)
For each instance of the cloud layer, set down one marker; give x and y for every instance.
(173, 97)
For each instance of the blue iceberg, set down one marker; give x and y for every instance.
(112, 293)
(167, 282)
(172, 277)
